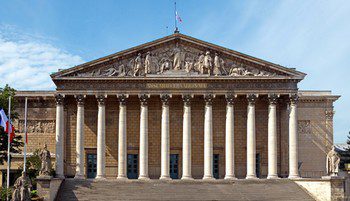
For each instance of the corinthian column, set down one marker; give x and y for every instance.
(101, 137)
(229, 138)
(122, 145)
(272, 137)
(293, 138)
(59, 135)
(165, 141)
(251, 141)
(79, 172)
(186, 140)
(144, 137)
(208, 137)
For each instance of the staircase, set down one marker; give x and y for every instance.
(112, 189)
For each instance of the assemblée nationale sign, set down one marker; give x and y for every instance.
(176, 85)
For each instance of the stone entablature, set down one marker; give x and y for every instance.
(174, 86)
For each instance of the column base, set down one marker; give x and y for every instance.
(100, 177)
(187, 178)
(143, 177)
(165, 178)
(78, 176)
(272, 177)
(230, 177)
(208, 177)
(294, 177)
(122, 177)
(251, 177)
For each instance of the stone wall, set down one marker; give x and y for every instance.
(315, 136)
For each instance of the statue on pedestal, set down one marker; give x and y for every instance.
(45, 158)
(22, 187)
(333, 160)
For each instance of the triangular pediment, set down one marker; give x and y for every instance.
(178, 55)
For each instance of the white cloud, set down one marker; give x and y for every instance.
(26, 62)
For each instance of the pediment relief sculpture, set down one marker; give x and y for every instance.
(176, 58)
(178, 55)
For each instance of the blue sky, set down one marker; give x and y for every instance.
(39, 37)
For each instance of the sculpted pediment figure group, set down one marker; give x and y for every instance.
(176, 58)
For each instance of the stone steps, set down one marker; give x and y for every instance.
(112, 189)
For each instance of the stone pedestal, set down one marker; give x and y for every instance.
(328, 188)
(48, 187)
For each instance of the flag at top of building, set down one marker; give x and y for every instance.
(8, 127)
(178, 17)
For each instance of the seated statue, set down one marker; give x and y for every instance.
(22, 187)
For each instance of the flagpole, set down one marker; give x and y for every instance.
(176, 29)
(25, 133)
(8, 146)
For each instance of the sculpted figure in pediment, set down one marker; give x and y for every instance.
(137, 65)
(122, 70)
(219, 66)
(148, 63)
(112, 71)
(207, 64)
(199, 65)
(188, 66)
(165, 64)
(177, 57)
(237, 70)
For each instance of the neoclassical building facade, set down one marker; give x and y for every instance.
(181, 108)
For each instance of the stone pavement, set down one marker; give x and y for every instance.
(112, 189)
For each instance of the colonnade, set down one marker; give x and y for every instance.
(186, 143)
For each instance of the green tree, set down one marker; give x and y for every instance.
(17, 142)
(348, 143)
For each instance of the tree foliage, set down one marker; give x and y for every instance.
(17, 142)
(348, 142)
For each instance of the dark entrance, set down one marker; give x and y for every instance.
(257, 168)
(216, 166)
(132, 166)
(91, 165)
(174, 166)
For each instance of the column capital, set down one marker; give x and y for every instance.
(252, 98)
(165, 98)
(230, 98)
(144, 98)
(101, 99)
(122, 98)
(80, 99)
(187, 99)
(273, 98)
(208, 98)
(293, 98)
(59, 99)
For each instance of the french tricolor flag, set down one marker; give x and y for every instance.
(8, 127)
(178, 17)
